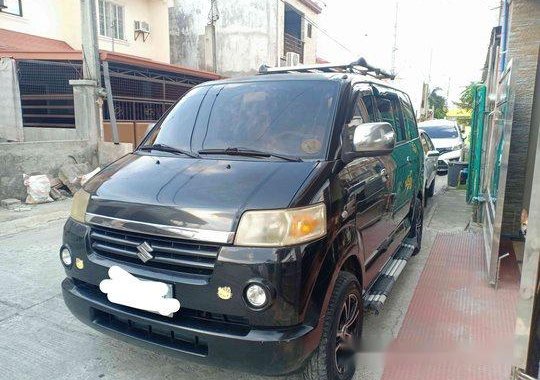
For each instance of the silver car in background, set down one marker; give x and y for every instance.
(447, 139)
(431, 158)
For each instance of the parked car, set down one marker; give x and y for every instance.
(447, 138)
(254, 223)
(431, 157)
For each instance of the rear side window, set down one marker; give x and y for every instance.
(388, 105)
(409, 118)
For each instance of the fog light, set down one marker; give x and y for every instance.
(65, 256)
(256, 295)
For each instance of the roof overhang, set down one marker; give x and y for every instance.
(312, 5)
(21, 46)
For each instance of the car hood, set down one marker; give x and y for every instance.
(209, 194)
(446, 143)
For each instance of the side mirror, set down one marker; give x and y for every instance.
(433, 153)
(373, 139)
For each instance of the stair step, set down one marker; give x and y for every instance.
(376, 296)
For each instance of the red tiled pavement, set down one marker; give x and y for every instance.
(457, 326)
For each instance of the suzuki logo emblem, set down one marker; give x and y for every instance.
(144, 252)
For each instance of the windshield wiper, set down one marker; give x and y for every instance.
(169, 149)
(249, 153)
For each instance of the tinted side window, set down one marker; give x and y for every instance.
(387, 102)
(364, 108)
(363, 111)
(409, 118)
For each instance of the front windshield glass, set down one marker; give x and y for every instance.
(291, 118)
(441, 132)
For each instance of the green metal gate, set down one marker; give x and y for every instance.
(477, 132)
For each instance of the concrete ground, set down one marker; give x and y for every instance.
(39, 338)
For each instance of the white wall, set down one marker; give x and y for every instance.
(310, 44)
(248, 34)
(60, 19)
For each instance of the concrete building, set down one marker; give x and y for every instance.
(120, 24)
(236, 37)
(523, 43)
(47, 100)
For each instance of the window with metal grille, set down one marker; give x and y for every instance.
(12, 7)
(46, 95)
(111, 19)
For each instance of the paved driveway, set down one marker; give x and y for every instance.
(39, 338)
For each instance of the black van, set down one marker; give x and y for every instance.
(255, 223)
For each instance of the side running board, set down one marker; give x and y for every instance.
(376, 296)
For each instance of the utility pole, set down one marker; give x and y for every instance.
(90, 41)
(86, 92)
(448, 91)
(394, 48)
(210, 37)
(430, 63)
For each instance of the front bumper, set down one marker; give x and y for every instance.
(276, 351)
(445, 158)
(225, 332)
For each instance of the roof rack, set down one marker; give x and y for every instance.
(359, 66)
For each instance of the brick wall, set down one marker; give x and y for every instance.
(523, 43)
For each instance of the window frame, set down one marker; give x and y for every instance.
(2, 10)
(309, 32)
(119, 14)
(401, 134)
(406, 103)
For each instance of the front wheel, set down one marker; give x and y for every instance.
(417, 225)
(334, 357)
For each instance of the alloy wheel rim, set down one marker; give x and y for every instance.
(346, 333)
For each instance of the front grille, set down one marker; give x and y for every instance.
(170, 254)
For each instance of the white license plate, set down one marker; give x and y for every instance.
(125, 289)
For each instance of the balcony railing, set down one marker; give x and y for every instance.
(295, 45)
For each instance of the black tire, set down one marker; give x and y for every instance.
(325, 364)
(430, 190)
(417, 224)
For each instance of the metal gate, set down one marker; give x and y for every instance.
(477, 132)
(497, 149)
(140, 97)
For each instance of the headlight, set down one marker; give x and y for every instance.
(457, 147)
(278, 228)
(79, 204)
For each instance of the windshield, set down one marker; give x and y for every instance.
(441, 132)
(291, 118)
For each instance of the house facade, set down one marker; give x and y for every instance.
(121, 24)
(45, 102)
(235, 37)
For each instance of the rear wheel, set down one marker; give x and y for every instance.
(417, 225)
(334, 357)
